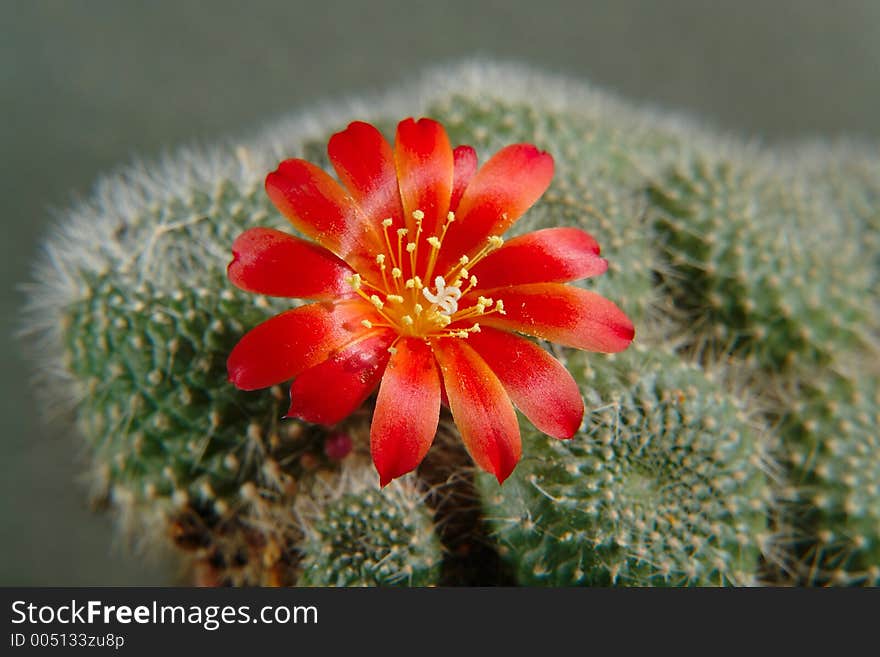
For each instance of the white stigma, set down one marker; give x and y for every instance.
(446, 298)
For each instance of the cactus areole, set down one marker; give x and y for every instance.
(417, 294)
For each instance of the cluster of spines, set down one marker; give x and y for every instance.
(359, 535)
(759, 269)
(666, 484)
(832, 450)
(749, 273)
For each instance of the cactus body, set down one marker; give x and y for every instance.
(357, 535)
(833, 453)
(751, 268)
(665, 485)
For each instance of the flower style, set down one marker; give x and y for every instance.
(415, 292)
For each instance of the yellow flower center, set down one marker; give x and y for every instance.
(411, 298)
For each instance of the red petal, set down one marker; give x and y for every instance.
(537, 383)
(364, 162)
(316, 205)
(552, 255)
(289, 343)
(425, 166)
(563, 314)
(407, 410)
(268, 261)
(480, 407)
(465, 167)
(330, 391)
(500, 192)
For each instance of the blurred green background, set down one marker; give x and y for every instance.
(84, 86)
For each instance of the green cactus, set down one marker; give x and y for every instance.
(665, 485)
(358, 535)
(833, 453)
(851, 175)
(751, 269)
(755, 262)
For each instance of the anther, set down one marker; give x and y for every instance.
(396, 273)
(387, 222)
(463, 260)
(407, 320)
(410, 247)
(396, 298)
(434, 241)
(376, 301)
(366, 323)
(402, 232)
(450, 217)
(418, 215)
(355, 281)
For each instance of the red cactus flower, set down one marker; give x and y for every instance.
(416, 293)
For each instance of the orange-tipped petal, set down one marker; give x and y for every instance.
(563, 314)
(425, 168)
(480, 407)
(465, 167)
(407, 410)
(316, 205)
(505, 187)
(552, 255)
(330, 391)
(289, 343)
(268, 261)
(364, 162)
(537, 383)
